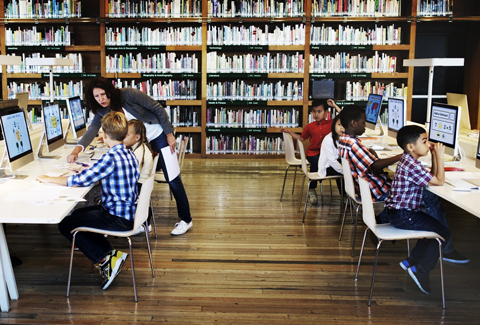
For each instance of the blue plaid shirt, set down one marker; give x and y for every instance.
(118, 172)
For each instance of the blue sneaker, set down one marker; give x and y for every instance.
(405, 265)
(421, 280)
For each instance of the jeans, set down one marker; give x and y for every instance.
(94, 246)
(176, 185)
(313, 160)
(425, 253)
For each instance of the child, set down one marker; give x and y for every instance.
(404, 203)
(315, 131)
(118, 172)
(363, 163)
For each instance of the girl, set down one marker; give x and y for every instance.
(136, 140)
(328, 163)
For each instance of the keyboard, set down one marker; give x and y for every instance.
(461, 185)
(97, 155)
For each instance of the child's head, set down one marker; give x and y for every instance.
(353, 119)
(337, 129)
(414, 140)
(114, 125)
(319, 110)
(136, 132)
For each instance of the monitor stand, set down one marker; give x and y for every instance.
(73, 141)
(4, 166)
(39, 151)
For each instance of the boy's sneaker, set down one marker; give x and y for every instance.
(312, 196)
(455, 257)
(421, 280)
(405, 264)
(181, 228)
(112, 267)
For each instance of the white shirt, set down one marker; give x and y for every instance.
(153, 130)
(328, 156)
(145, 169)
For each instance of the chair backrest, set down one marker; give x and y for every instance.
(368, 212)
(181, 152)
(348, 178)
(303, 156)
(289, 148)
(143, 202)
(154, 165)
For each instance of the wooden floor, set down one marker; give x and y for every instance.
(247, 260)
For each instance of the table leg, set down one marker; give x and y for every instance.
(7, 270)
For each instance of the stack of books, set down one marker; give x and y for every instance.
(183, 116)
(255, 63)
(43, 9)
(146, 36)
(35, 37)
(240, 90)
(349, 35)
(356, 8)
(169, 62)
(248, 144)
(77, 66)
(360, 91)
(435, 7)
(255, 8)
(244, 118)
(62, 90)
(345, 62)
(163, 90)
(153, 9)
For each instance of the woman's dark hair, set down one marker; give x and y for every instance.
(351, 113)
(334, 133)
(110, 90)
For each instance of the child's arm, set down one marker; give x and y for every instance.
(62, 180)
(380, 164)
(293, 134)
(332, 103)
(439, 170)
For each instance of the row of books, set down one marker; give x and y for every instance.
(33, 36)
(360, 91)
(238, 118)
(240, 90)
(349, 35)
(163, 90)
(37, 90)
(346, 63)
(153, 9)
(182, 115)
(261, 63)
(286, 34)
(180, 138)
(43, 9)
(77, 66)
(434, 7)
(356, 8)
(248, 144)
(169, 62)
(130, 36)
(255, 8)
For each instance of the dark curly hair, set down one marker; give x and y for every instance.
(110, 90)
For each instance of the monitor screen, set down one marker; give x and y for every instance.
(77, 119)
(15, 132)
(396, 114)
(53, 123)
(374, 104)
(444, 125)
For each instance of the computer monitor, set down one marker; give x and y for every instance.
(374, 104)
(397, 117)
(76, 118)
(23, 104)
(53, 129)
(461, 101)
(444, 126)
(18, 147)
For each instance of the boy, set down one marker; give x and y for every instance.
(315, 131)
(118, 173)
(404, 204)
(363, 163)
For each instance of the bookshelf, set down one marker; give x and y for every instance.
(231, 71)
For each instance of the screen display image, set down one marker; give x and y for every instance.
(443, 124)
(374, 105)
(396, 114)
(77, 113)
(53, 123)
(16, 134)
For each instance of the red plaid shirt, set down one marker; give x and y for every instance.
(360, 160)
(316, 131)
(408, 183)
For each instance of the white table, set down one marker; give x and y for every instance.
(25, 213)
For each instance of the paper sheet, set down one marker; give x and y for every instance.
(171, 163)
(462, 175)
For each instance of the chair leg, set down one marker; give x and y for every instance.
(331, 191)
(306, 200)
(440, 248)
(294, 178)
(301, 194)
(374, 270)
(361, 253)
(321, 192)
(149, 250)
(343, 221)
(284, 180)
(408, 247)
(133, 268)
(153, 221)
(355, 230)
(71, 263)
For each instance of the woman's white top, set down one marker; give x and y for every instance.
(328, 156)
(145, 169)
(153, 130)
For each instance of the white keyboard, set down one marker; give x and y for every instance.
(461, 185)
(97, 155)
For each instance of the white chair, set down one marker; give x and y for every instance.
(311, 177)
(290, 159)
(389, 232)
(141, 216)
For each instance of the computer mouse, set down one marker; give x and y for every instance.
(375, 147)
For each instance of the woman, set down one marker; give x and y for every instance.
(102, 97)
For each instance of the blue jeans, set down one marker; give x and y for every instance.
(176, 185)
(94, 246)
(313, 160)
(425, 253)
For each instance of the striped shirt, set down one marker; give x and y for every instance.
(360, 159)
(118, 173)
(408, 183)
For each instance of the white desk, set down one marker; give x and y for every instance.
(20, 212)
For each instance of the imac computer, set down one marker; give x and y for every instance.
(460, 100)
(23, 104)
(397, 117)
(76, 120)
(374, 105)
(444, 126)
(18, 147)
(53, 133)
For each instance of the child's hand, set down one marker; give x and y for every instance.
(43, 179)
(331, 103)
(439, 149)
(283, 130)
